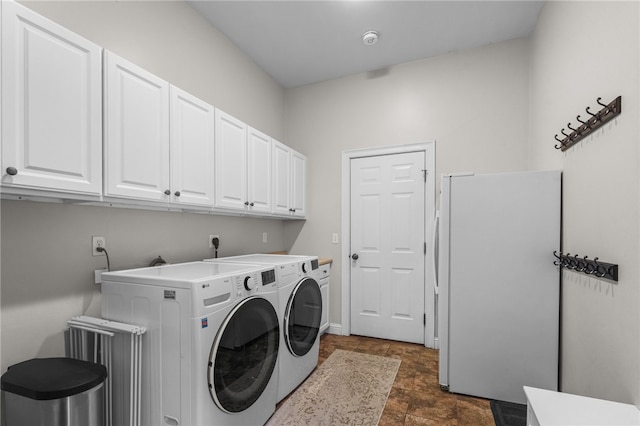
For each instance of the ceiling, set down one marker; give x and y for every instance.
(303, 42)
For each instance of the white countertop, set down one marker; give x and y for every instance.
(557, 408)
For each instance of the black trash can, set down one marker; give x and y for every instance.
(54, 392)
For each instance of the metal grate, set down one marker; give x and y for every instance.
(118, 347)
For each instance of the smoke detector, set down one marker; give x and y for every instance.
(370, 38)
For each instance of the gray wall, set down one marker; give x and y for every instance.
(580, 51)
(473, 103)
(47, 266)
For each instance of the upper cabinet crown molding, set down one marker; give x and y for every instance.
(51, 105)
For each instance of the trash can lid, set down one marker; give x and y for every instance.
(52, 378)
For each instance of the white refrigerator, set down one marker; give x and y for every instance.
(499, 290)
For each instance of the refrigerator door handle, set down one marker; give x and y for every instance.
(434, 254)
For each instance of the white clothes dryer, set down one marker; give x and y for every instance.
(300, 314)
(210, 352)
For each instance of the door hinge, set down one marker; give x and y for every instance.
(424, 319)
(425, 248)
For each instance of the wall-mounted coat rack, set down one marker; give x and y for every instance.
(593, 123)
(588, 266)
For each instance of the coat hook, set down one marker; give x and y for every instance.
(570, 128)
(562, 131)
(590, 113)
(578, 118)
(595, 267)
(555, 262)
(607, 109)
(559, 140)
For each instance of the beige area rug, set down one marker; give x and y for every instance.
(349, 388)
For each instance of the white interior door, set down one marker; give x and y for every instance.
(388, 246)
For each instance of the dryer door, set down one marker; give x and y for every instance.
(244, 355)
(302, 317)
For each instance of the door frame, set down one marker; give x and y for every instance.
(428, 148)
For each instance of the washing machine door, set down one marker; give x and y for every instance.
(244, 355)
(302, 317)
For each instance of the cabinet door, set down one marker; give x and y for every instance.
(51, 105)
(136, 131)
(259, 171)
(192, 147)
(298, 183)
(281, 179)
(231, 162)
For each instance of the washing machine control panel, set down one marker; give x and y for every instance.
(256, 281)
(309, 266)
(249, 283)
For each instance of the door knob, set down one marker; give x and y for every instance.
(167, 192)
(177, 193)
(12, 171)
(355, 256)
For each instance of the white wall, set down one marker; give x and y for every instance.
(46, 261)
(473, 103)
(580, 51)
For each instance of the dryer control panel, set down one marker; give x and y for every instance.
(256, 282)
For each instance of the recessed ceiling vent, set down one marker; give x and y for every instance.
(370, 38)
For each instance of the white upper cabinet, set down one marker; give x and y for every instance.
(51, 106)
(281, 179)
(192, 149)
(298, 184)
(259, 167)
(289, 182)
(136, 132)
(231, 162)
(243, 166)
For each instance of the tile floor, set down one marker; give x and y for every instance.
(415, 398)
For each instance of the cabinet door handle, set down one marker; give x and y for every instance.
(177, 193)
(12, 171)
(167, 192)
(246, 203)
(251, 204)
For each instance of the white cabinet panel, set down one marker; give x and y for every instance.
(289, 182)
(51, 105)
(192, 149)
(298, 184)
(136, 131)
(259, 167)
(231, 164)
(281, 179)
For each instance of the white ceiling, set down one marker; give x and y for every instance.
(303, 42)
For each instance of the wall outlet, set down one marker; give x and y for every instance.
(334, 238)
(211, 237)
(98, 242)
(264, 237)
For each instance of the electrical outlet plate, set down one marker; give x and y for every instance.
(98, 242)
(334, 238)
(264, 237)
(211, 237)
(98, 275)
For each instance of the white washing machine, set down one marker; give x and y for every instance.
(300, 314)
(210, 354)
(323, 275)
